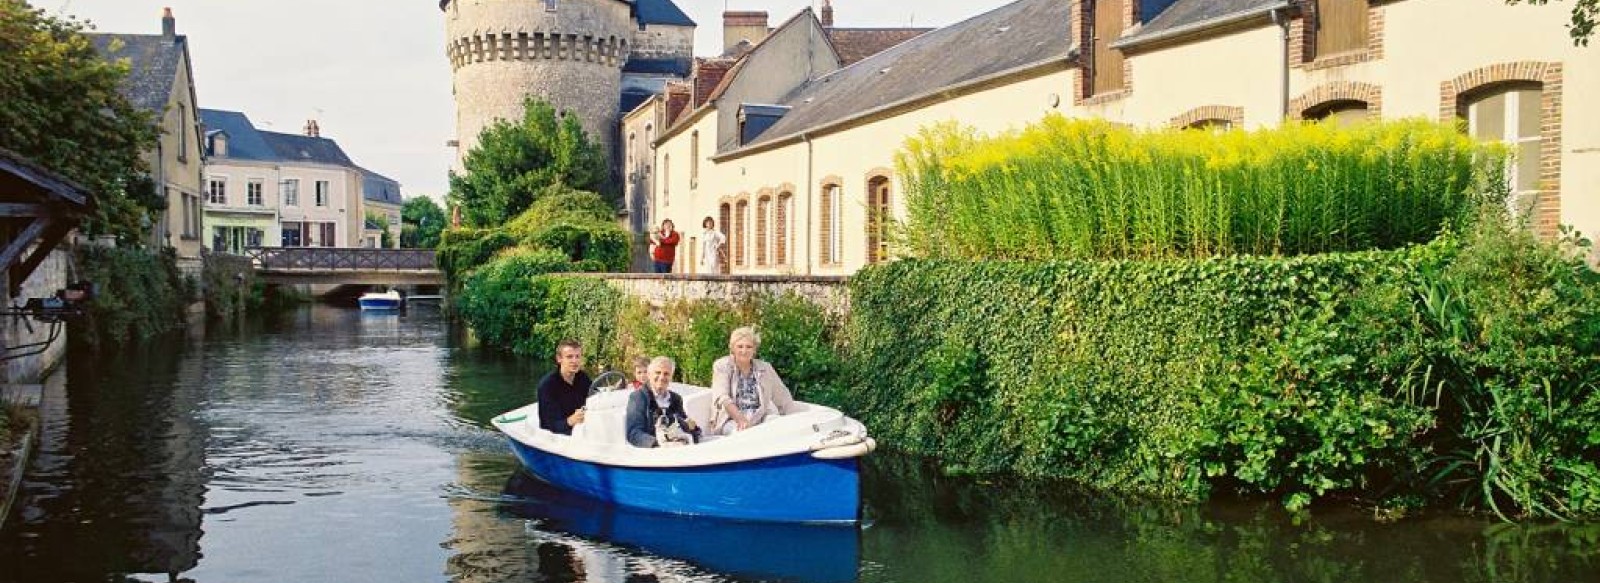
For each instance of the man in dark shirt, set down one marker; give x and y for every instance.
(562, 392)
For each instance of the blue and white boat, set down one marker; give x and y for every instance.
(800, 467)
(388, 300)
(608, 539)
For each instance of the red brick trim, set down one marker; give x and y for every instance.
(1367, 93)
(825, 229)
(1303, 41)
(1547, 206)
(1233, 115)
(1083, 93)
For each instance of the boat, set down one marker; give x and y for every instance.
(607, 537)
(388, 300)
(799, 467)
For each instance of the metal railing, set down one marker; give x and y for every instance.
(340, 259)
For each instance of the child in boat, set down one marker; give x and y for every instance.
(641, 366)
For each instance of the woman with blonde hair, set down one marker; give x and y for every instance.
(745, 389)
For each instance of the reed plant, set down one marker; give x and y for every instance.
(1088, 189)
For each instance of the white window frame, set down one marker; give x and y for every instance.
(217, 190)
(289, 189)
(253, 192)
(1520, 199)
(324, 192)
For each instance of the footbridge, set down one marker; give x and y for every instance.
(340, 266)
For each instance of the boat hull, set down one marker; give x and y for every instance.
(379, 304)
(790, 488)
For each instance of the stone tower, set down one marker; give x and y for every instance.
(567, 52)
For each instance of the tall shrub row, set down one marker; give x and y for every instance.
(1081, 189)
(139, 294)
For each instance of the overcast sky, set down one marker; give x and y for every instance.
(373, 72)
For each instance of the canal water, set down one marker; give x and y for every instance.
(329, 445)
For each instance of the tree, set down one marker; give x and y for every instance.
(515, 161)
(1585, 13)
(61, 106)
(421, 221)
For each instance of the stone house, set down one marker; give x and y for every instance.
(801, 172)
(161, 80)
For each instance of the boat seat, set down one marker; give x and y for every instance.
(604, 418)
(696, 402)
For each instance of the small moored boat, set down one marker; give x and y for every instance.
(799, 467)
(388, 300)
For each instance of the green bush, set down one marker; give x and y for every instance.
(1112, 374)
(1079, 189)
(139, 295)
(462, 250)
(579, 225)
(500, 301)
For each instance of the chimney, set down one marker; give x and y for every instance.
(311, 128)
(737, 26)
(169, 26)
(827, 14)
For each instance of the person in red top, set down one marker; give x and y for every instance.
(664, 247)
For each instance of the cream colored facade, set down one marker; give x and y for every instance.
(1425, 58)
(179, 170)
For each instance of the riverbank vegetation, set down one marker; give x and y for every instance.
(1442, 359)
(535, 200)
(139, 294)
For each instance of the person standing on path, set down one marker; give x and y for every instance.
(664, 246)
(712, 246)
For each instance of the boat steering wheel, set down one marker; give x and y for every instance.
(608, 381)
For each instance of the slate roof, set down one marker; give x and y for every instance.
(676, 67)
(1185, 15)
(661, 12)
(379, 188)
(631, 100)
(244, 142)
(153, 65)
(298, 148)
(1022, 33)
(855, 44)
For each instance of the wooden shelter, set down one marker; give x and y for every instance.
(38, 208)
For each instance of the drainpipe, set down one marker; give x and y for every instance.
(811, 188)
(1280, 17)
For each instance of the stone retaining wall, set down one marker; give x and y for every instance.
(51, 275)
(828, 292)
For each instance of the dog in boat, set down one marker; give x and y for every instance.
(670, 433)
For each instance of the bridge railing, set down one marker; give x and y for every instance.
(340, 259)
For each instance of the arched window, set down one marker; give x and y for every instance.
(763, 232)
(1213, 125)
(1342, 112)
(1512, 113)
(878, 219)
(741, 232)
(724, 224)
(829, 232)
(780, 229)
(694, 159)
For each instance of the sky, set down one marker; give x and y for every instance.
(373, 72)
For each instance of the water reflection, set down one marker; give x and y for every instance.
(325, 445)
(783, 552)
(928, 527)
(119, 476)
